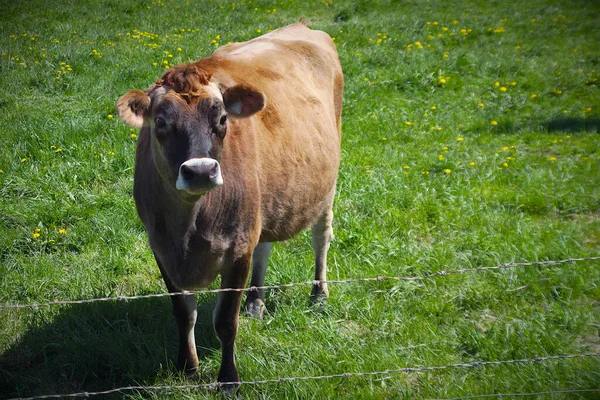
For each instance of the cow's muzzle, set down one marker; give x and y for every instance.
(199, 175)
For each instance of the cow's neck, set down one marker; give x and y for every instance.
(181, 216)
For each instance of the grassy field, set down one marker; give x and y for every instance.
(471, 138)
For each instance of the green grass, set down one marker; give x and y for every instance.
(412, 199)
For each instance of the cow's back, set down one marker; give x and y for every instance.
(294, 142)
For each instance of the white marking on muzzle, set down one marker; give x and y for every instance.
(216, 178)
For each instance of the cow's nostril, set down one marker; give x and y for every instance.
(214, 170)
(187, 173)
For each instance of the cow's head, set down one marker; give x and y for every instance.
(187, 117)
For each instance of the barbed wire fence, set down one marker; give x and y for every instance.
(217, 385)
(313, 282)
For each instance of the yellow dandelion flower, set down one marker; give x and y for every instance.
(445, 148)
(472, 163)
(533, 96)
(133, 136)
(368, 171)
(408, 123)
(505, 165)
(503, 89)
(406, 167)
(433, 107)
(62, 231)
(23, 160)
(443, 81)
(109, 116)
(425, 172)
(480, 105)
(441, 157)
(459, 139)
(552, 158)
(37, 230)
(496, 84)
(258, 31)
(494, 123)
(36, 235)
(447, 171)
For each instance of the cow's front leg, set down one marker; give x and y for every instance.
(225, 318)
(184, 308)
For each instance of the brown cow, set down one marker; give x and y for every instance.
(236, 151)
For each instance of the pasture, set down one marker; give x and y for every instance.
(470, 139)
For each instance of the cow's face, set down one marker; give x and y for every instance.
(188, 130)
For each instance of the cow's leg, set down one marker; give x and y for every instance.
(255, 300)
(322, 233)
(225, 318)
(184, 308)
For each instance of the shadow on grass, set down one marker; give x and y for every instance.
(573, 125)
(554, 125)
(98, 346)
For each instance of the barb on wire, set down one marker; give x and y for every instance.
(313, 282)
(216, 385)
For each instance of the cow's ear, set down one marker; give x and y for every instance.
(242, 101)
(132, 106)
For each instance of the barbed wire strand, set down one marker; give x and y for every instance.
(557, 391)
(215, 385)
(313, 282)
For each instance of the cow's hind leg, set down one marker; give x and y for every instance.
(255, 301)
(322, 234)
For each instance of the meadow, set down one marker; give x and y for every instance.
(470, 139)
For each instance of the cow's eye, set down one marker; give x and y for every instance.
(160, 122)
(223, 119)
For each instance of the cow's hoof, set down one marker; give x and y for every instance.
(255, 308)
(189, 366)
(230, 392)
(319, 294)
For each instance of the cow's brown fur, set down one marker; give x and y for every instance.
(279, 170)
